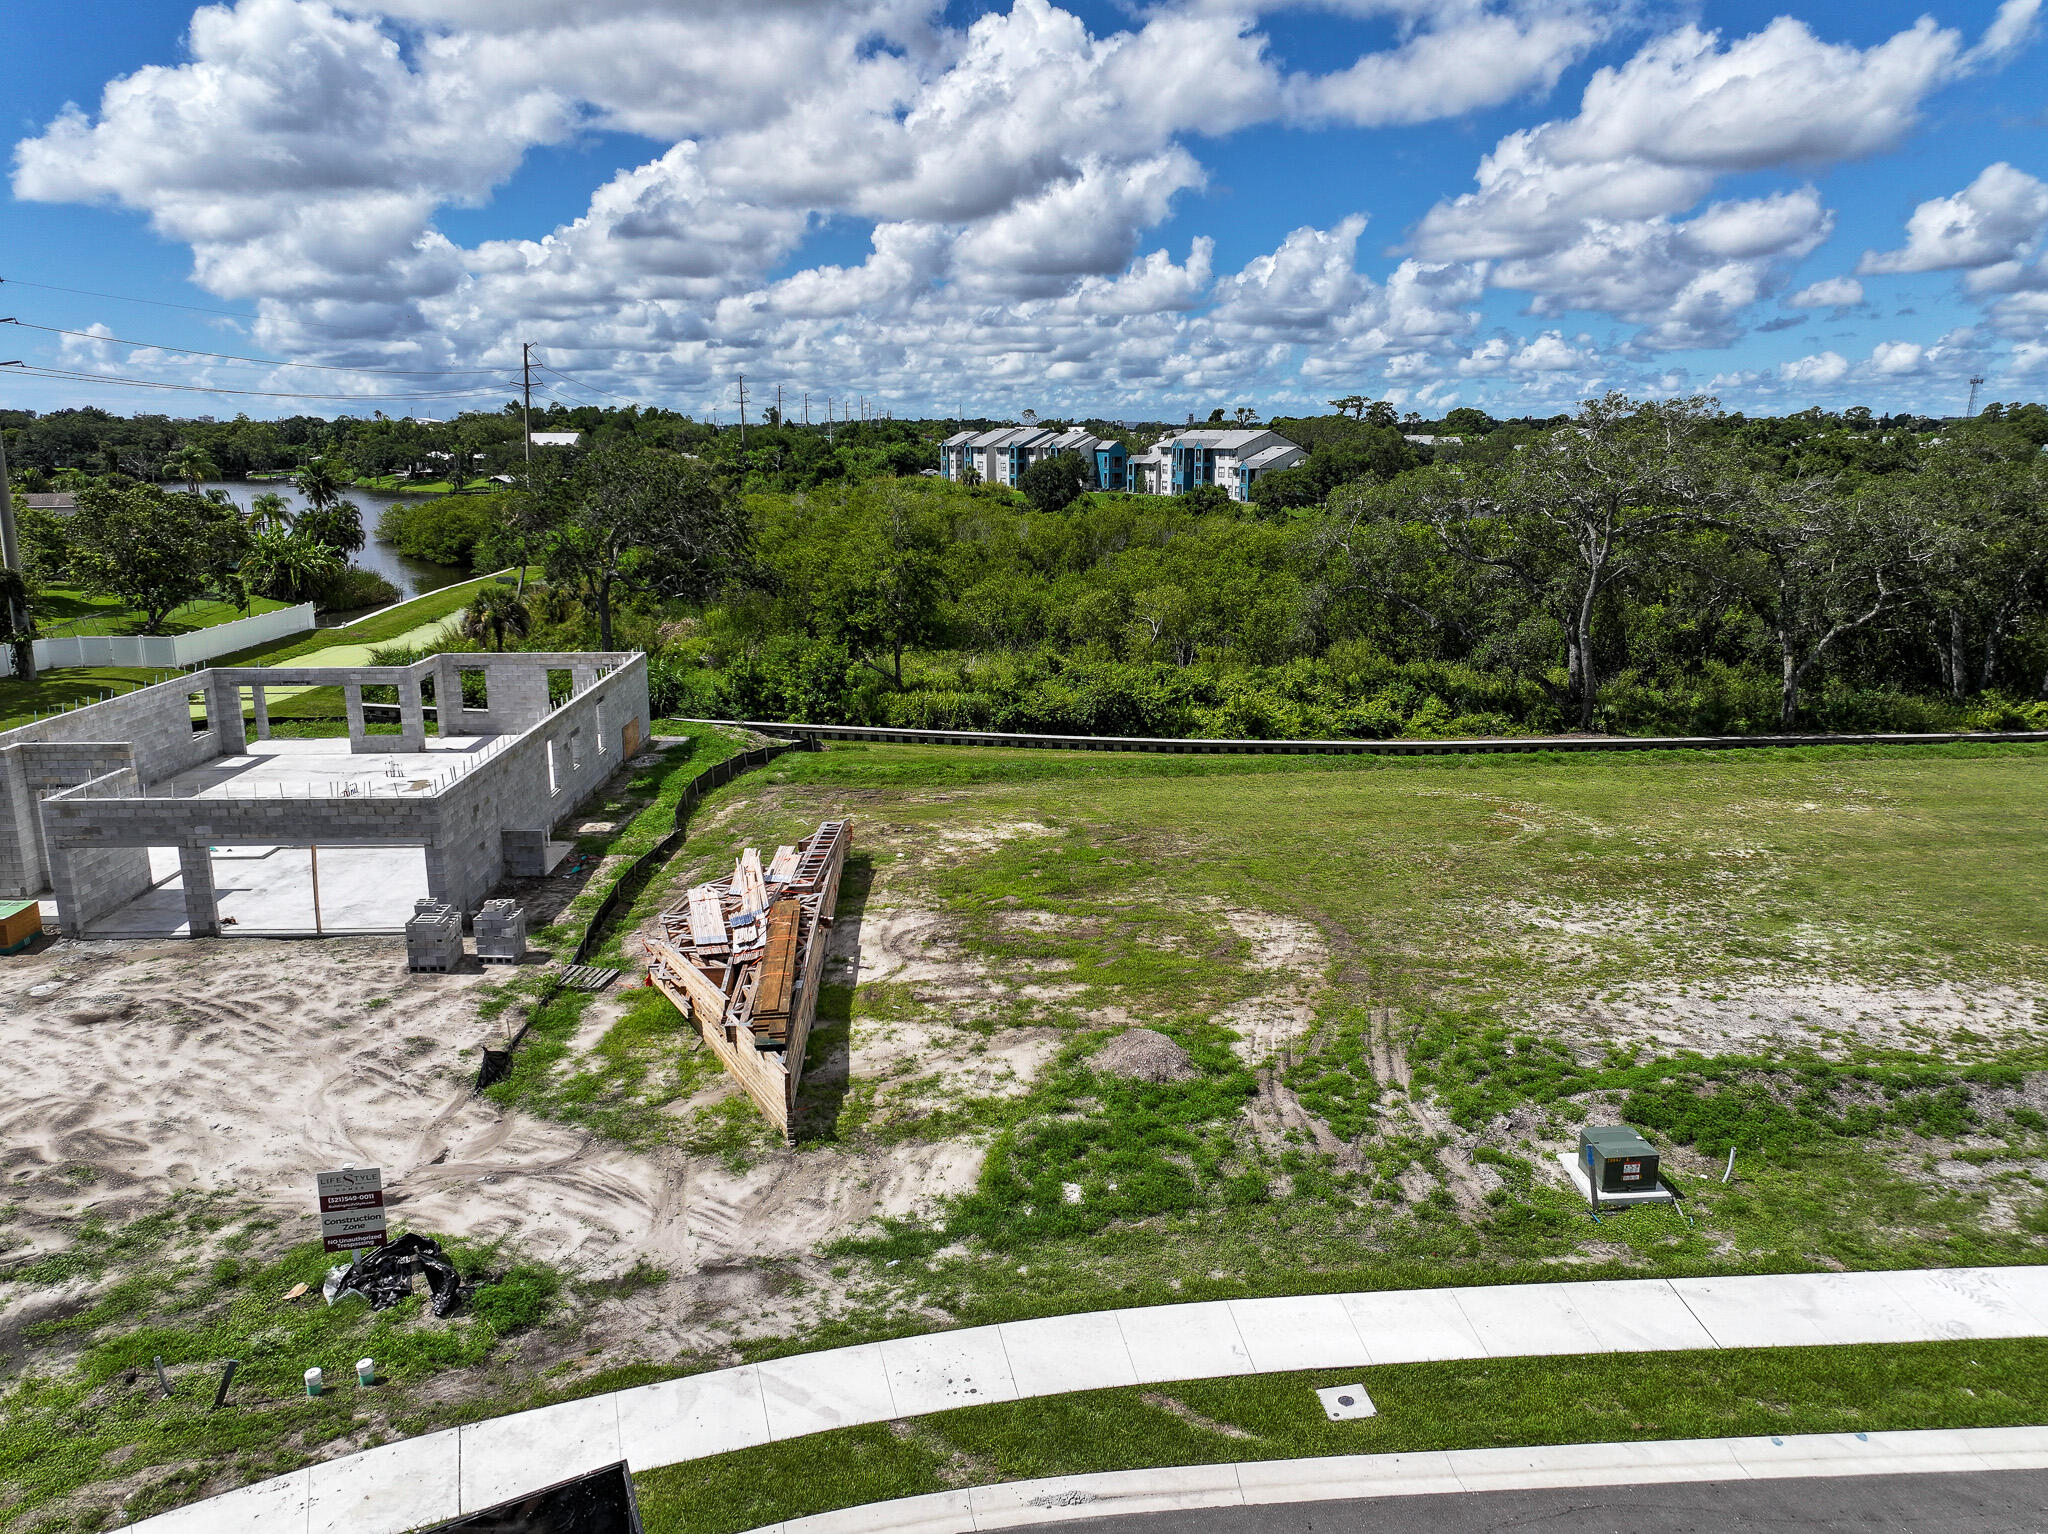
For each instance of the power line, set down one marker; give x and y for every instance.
(592, 387)
(188, 351)
(160, 303)
(32, 370)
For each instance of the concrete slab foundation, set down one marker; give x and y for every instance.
(268, 892)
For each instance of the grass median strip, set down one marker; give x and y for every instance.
(1478, 1404)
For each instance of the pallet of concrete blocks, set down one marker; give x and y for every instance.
(500, 932)
(743, 958)
(433, 937)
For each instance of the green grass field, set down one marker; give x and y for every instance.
(69, 686)
(67, 611)
(1827, 959)
(1479, 1405)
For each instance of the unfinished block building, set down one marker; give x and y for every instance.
(154, 813)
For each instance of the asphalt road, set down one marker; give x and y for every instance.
(1984, 1502)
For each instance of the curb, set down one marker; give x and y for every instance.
(1065, 1499)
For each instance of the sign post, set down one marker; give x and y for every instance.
(352, 1208)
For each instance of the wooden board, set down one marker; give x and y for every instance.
(783, 867)
(707, 918)
(707, 1001)
(778, 967)
(748, 884)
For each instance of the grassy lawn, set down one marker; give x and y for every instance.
(1827, 959)
(67, 686)
(69, 611)
(1398, 987)
(200, 1280)
(398, 484)
(1476, 1405)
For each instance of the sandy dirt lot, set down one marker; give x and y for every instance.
(245, 1066)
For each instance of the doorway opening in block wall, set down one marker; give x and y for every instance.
(319, 890)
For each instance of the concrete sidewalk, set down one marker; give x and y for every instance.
(1347, 1477)
(440, 1475)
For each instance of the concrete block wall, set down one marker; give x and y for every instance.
(155, 721)
(512, 791)
(29, 772)
(92, 880)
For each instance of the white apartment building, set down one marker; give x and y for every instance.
(1230, 459)
(1000, 457)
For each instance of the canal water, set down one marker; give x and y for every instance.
(412, 577)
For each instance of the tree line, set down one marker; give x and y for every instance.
(1634, 566)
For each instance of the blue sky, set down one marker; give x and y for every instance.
(1124, 210)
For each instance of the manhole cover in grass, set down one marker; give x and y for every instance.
(1346, 1403)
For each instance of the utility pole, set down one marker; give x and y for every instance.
(778, 404)
(807, 407)
(743, 412)
(526, 404)
(526, 429)
(10, 559)
(1970, 410)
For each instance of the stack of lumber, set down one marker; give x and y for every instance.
(743, 956)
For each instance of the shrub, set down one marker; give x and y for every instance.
(443, 531)
(351, 590)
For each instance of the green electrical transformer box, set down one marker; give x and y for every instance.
(1618, 1160)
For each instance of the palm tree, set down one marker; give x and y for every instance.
(493, 613)
(270, 512)
(319, 484)
(191, 464)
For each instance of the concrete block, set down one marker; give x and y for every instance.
(1526, 1319)
(433, 937)
(678, 1420)
(500, 932)
(1402, 1326)
(815, 1391)
(1061, 1353)
(1312, 1331)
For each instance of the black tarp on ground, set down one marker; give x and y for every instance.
(598, 1503)
(383, 1275)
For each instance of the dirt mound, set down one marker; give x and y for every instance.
(1143, 1055)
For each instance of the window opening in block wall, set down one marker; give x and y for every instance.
(202, 719)
(598, 727)
(575, 750)
(554, 785)
(561, 686)
(476, 687)
(430, 711)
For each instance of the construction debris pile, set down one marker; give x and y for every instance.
(743, 959)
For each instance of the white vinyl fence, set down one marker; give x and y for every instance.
(168, 652)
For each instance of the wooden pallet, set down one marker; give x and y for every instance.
(588, 977)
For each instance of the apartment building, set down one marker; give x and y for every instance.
(1231, 460)
(1000, 457)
